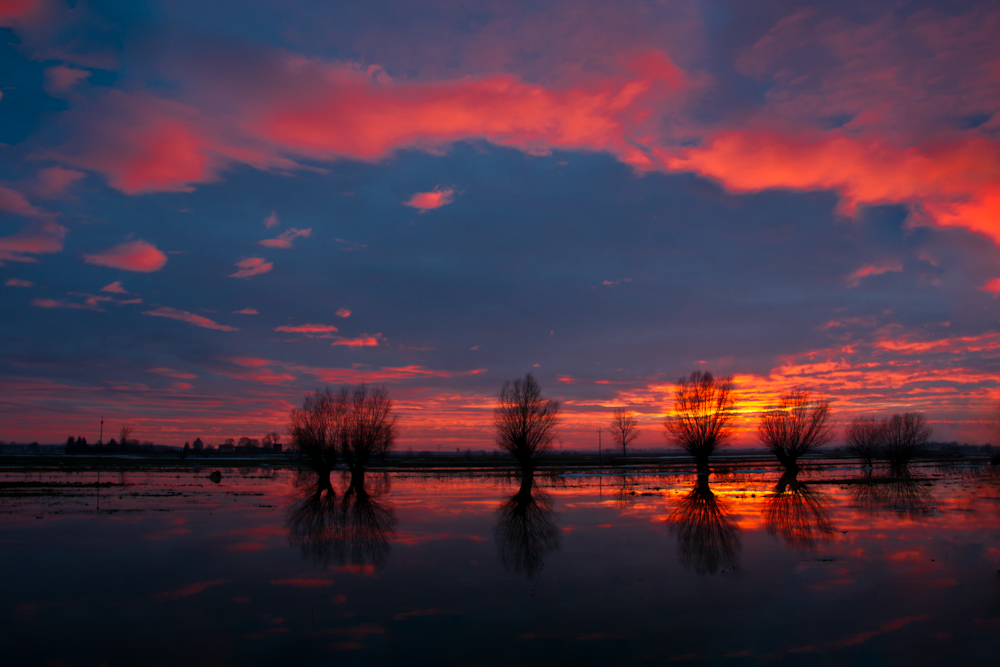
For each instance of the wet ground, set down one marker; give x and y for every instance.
(639, 565)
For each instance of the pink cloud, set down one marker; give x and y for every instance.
(250, 362)
(60, 303)
(251, 266)
(16, 282)
(343, 312)
(190, 318)
(308, 328)
(12, 8)
(992, 286)
(246, 311)
(856, 277)
(53, 181)
(38, 237)
(364, 340)
(114, 288)
(60, 79)
(284, 240)
(138, 256)
(271, 220)
(428, 200)
(14, 202)
(171, 373)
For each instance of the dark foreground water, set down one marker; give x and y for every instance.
(271, 567)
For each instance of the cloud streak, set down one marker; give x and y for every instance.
(251, 266)
(190, 318)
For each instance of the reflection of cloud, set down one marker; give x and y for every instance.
(899, 495)
(136, 255)
(190, 318)
(526, 530)
(707, 536)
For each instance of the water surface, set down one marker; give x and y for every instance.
(272, 566)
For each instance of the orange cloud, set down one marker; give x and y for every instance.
(138, 256)
(250, 362)
(284, 240)
(343, 312)
(59, 303)
(190, 318)
(308, 328)
(954, 184)
(428, 200)
(251, 266)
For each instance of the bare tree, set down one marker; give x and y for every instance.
(124, 435)
(703, 409)
(525, 421)
(625, 427)
(356, 423)
(864, 439)
(904, 436)
(796, 425)
(317, 427)
(370, 426)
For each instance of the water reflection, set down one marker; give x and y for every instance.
(624, 492)
(797, 513)
(526, 530)
(351, 528)
(899, 494)
(708, 538)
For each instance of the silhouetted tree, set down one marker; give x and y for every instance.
(797, 513)
(625, 427)
(316, 428)
(904, 437)
(526, 530)
(864, 439)
(796, 425)
(198, 445)
(370, 426)
(525, 421)
(707, 536)
(124, 435)
(703, 409)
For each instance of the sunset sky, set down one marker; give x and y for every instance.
(208, 209)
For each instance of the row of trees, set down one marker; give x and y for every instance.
(355, 424)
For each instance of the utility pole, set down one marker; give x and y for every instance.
(100, 440)
(599, 445)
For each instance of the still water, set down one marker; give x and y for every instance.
(274, 567)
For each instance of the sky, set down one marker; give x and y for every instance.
(208, 210)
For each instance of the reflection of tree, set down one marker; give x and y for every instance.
(625, 493)
(353, 528)
(898, 494)
(526, 530)
(797, 513)
(707, 536)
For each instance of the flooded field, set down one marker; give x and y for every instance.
(630, 566)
